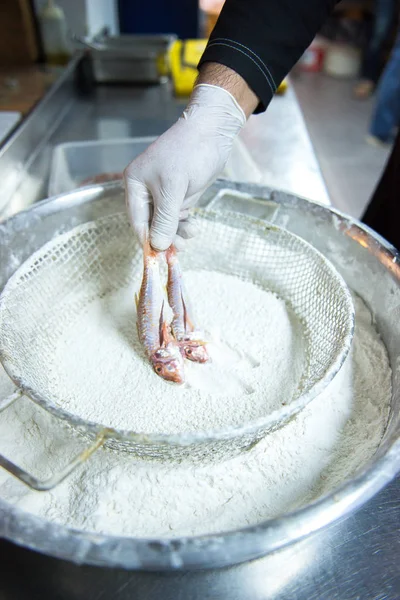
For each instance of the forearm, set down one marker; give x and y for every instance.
(261, 40)
(224, 77)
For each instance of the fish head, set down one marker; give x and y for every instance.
(195, 351)
(194, 348)
(168, 364)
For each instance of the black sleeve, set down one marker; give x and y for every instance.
(263, 39)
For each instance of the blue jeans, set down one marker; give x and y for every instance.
(383, 23)
(386, 115)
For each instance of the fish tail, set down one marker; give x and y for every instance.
(148, 251)
(171, 253)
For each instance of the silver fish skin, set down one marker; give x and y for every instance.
(191, 340)
(149, 302)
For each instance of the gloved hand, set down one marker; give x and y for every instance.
(170, 176)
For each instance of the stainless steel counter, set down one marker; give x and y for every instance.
(356, 559)
(277, 140)
(280, 145)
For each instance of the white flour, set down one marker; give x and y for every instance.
(335, 435)
(102, 374)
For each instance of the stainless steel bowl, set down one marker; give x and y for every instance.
(371, 268)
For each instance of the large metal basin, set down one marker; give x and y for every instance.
(371, 268)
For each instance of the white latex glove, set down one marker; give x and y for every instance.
(170, 176)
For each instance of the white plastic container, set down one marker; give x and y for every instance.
(74, 163)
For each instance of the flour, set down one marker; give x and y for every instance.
(256, 345)
(334, 436)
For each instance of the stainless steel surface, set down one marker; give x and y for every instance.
(356, 559)
(280, 145)
(359, 256)
(8, 120)
(110, 112)
(23, 156)
(100, 257)
(74, 164)
(276, 140)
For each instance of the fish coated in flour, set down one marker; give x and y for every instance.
(190, 340)
(154, 333)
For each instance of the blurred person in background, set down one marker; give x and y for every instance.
(383, 211)
(253, 46)
(374, 54)
(386, 116)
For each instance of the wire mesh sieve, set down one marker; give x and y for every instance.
(94, 259)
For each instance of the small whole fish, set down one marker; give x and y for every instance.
(161, 348)
(191, 341)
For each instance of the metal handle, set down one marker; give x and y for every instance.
(51, 482)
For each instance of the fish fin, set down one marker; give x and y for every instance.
(161, 325)
(164, 330)
(137, 300)
(186, 321)
(167, 336)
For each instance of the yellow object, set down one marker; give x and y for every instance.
(282, 87)
(184, 56)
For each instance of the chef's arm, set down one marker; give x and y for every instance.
(261, 40)
(253, 46)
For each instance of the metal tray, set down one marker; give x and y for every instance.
(130, 58)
